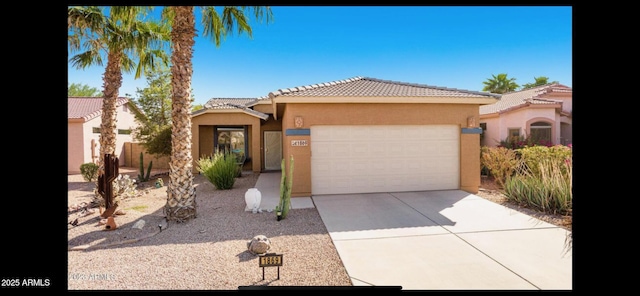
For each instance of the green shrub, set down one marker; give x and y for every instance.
(89, 171)
(220, 169)
(534, 156)
(548, 190)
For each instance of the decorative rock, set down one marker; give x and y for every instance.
(139, 224)
(259, 244)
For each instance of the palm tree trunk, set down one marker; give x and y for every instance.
(181, 194)
(112, 82)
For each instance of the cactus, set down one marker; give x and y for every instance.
(286, 182)
(142, 177)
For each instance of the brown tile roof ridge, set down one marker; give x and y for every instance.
(292, 90)
(312, 86)
(435, 87)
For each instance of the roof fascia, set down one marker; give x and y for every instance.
(387, 100)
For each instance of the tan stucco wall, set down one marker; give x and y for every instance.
(202, 134)
(132, 157)
(79, 136)
(379, 114)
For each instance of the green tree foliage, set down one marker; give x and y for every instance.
(539, 81)
(82, 90)
(129, 42)
(154, 125)
(500, 84)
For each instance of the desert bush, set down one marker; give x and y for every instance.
(123, 187)
(220, 169)
(533, 157)
(547, 190)
(517, 142)
(501, 162)
(89, 171)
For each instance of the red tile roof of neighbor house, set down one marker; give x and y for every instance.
(88, 108)
(372, 87)
(530, 96)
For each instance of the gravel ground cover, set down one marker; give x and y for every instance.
(205, 253)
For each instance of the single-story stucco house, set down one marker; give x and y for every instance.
(357, 135)
(84, 117)
(543, 112)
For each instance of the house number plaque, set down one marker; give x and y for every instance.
(299, 143)
(270, 259)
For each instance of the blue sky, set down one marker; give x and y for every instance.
(451, 46)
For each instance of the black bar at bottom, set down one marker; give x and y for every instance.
(397, 288)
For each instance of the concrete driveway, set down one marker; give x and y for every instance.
(444, 240)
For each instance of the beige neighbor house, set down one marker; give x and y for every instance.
(542, 112)
(83, 130)
(357, 135)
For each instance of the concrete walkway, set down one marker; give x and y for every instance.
(437, 240)
(269, 186)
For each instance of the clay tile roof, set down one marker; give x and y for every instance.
(87, 108)
(232, 103)
(229, 103)
(534, 95)
(372, 87)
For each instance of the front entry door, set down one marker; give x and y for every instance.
(272, 150)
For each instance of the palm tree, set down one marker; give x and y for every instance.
(123, 36)
(539, 81)
(500, 84)
(181, 194)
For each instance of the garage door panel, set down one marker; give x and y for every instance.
(359, 159)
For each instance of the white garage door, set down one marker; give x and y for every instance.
(361, 159)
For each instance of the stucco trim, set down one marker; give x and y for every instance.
(298, 132)
(473, 130)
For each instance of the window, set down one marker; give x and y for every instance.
(124, 132)
(96, 130)
(541, 133)
(231, 139)
(514, 132)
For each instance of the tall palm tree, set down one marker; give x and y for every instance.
(500, 84)
(123, 36)
(181, 194)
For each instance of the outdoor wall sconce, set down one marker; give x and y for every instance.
(471, 121)
(298, 122)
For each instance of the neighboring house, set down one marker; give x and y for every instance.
(542, 113)
(352, 136)
(83, 130)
